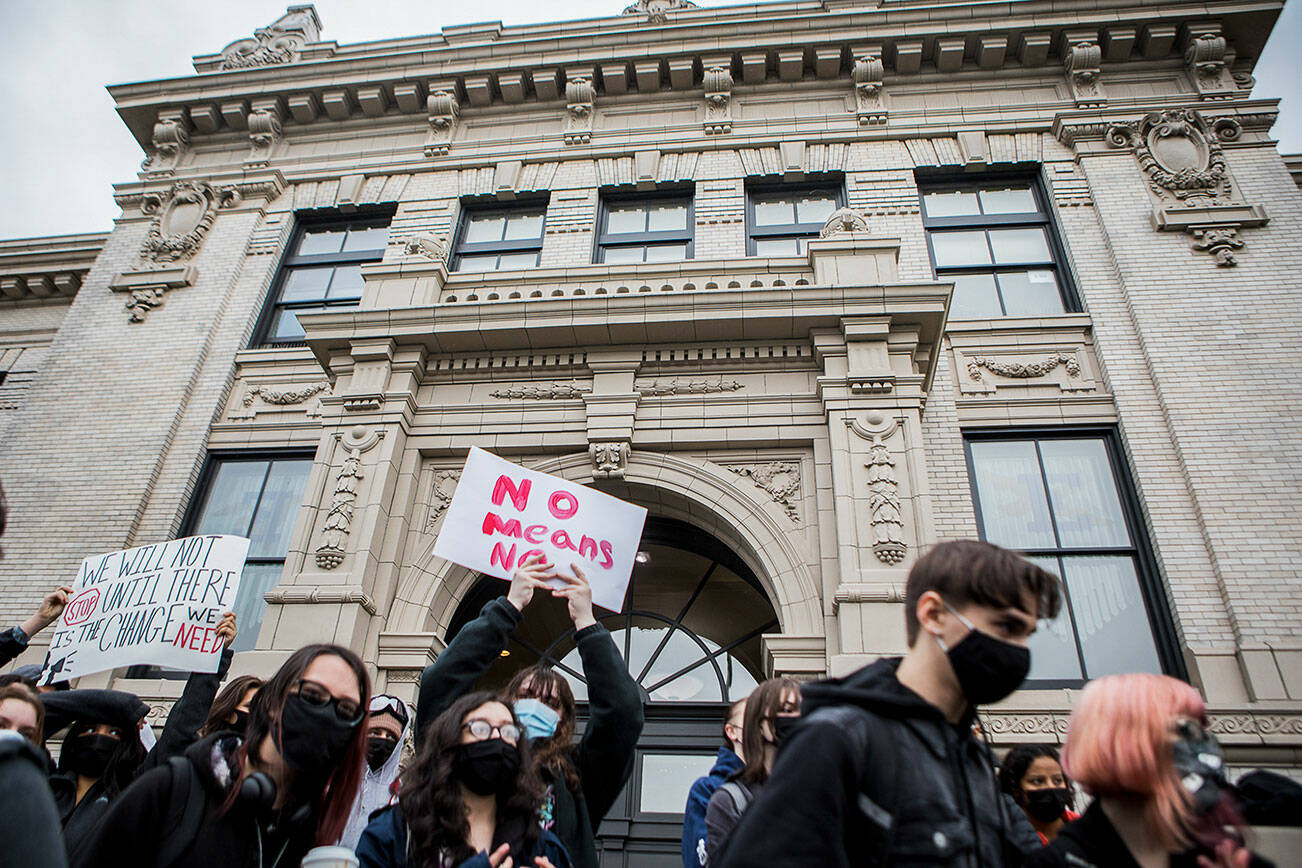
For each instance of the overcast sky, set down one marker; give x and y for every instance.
(64, 146)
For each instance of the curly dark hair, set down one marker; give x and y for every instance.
(556, 753)
(430, 796)
(1019, 759)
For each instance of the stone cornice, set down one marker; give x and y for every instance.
(1073, 127)
(506, 66)
(36, 269)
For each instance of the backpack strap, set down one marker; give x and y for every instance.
(741, 797)
(184, 813)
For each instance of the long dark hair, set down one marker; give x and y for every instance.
(335, 801)
(124, 762)
(226, 702)
(763, 704)
(431, 796)
(554, 753)
(1019, 759)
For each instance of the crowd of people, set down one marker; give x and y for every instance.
(887, 766)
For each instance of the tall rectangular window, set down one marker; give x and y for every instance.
(322, 271)
(258, 498)
(1062, 501)
(780, 221)
(645, 229)
(995, 241)
(491, 239)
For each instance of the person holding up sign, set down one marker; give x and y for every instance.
(581, 782)
(14, 640)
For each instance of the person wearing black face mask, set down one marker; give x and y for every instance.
(772, 711)
(469, 799)
(883, 767)
(263, 800)
(1032, 775)
(387, 730)
(230, 710)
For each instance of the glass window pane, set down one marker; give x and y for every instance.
(484, 227)
(1030, 293)
(249, 604)
(1009, 200)
(1011, 492)
(974, 296)
(774, 212)
(959, 248)
(305, 284)
(518, 260)
(1053, 645)
(623, 255)
(347, 282)
(626, 218)
(477, 263)
(281, 497)
(1019, 245)
(232, 497)
(285, 326)
(666, 778)
(322, 240)
(951, 204)
(666, 218)
(1111, 620)
(520, 227)
(1084, 493)
(368, 238)
(814, 209)
(666, 253)
(777, 247)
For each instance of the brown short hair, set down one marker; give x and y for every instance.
(23, 693)
(971, 571)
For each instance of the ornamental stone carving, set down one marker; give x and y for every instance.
(718, 100)
(1208, 60)
(339, 520)
(1219, 241)
(1083, 61)
(552, 392)
(657, 11)
(426, 245)
(171, 138)
(579, 104)
(844, 221)
(1022, 370)
(443, 111)
(781, 479)
(281, 42)
(182, 217)
(868, 74)
(678, 386)
(264, 131)
(609, 459)
(282, 396)
(886, 518)
(445, 485)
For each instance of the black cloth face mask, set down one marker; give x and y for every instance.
(487, 767)
(312, 737)
(1046, 805)
(378, 750)
(241, 722)
(89, 755)
(1200, 764)
(987, 669)
(782, 727)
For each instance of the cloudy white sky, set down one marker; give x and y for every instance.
(64, 146)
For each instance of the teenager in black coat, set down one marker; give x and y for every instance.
(581, 781)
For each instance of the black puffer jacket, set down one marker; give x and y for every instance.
(875, 775)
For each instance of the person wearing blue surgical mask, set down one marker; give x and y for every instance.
(538, 718)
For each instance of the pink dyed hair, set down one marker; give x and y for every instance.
(1119, 745)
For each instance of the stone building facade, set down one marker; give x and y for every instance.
(817, 283)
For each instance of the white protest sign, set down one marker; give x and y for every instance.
(157, 604)
(502, 513)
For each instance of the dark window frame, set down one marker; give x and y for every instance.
(472, 207)
(685, 196)
(761, 190)
(198, 499)
(1045, 217)
(305, 221)
(1151, 589)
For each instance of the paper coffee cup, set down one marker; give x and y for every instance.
(330, 857)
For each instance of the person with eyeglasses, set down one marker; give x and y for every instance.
(387, 730)
(470, 798)
(258, 801)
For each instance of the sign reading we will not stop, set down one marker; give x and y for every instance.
(502, 514)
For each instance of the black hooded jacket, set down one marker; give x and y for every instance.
(875, 775)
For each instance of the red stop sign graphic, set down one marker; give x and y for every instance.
(81, 607)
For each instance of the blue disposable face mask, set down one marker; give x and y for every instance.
(538, 718)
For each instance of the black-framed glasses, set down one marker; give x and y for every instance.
(347, 710)
(482, 729)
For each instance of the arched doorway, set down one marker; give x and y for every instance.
(690, 636)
